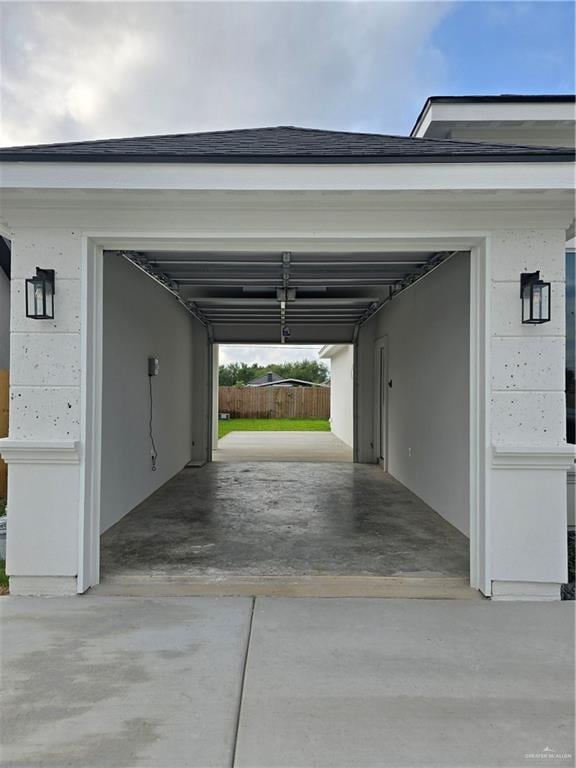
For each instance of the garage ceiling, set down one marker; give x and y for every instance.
(284, 296)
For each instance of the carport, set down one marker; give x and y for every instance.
(409, 249)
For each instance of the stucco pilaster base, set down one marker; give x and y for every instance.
(525, 590)
(43, 586)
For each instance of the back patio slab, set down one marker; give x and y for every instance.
(282, 446)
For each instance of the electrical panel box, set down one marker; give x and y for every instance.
(153, 366)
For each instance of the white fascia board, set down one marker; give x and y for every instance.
(331, 350)
(287, 177)
(420, 129)
(545, 112)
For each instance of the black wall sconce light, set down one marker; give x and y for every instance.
(40, 295)
(535, 295)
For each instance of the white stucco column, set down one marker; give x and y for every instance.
(529, 454)
(43, 449)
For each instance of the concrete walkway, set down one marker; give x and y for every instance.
(281, 446)
(113, 682)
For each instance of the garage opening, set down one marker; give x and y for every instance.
(275, 403)
(395, 326)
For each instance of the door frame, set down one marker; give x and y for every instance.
(381, 362)
(91, 341)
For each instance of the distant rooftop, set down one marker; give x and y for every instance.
(513, 98)
(503, 98)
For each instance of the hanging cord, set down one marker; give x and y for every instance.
(154, 451)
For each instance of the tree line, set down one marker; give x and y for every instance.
(240, 374)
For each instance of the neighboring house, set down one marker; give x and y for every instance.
(544, 121)
(571, 370)
(4, 351)
(272, 379)
(267, 378)
(4, 304)
(341, 358)
(412, 249)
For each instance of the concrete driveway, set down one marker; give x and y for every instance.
(119, 682)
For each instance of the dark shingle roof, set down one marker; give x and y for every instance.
(266, 378)
(284, 144)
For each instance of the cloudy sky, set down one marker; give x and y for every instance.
(83, 70)
(73, 71)
(262, 354)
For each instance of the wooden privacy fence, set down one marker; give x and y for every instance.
(3, 428)
(275, 402)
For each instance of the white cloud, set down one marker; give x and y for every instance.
(264, 355)
(74, 71)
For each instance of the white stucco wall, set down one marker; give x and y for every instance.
(426, 335)
(45, 360)
(522, 232)
(528, 410)
(4, 320)
(141, 320)
(342, 391)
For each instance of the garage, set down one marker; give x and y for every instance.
(409, 249)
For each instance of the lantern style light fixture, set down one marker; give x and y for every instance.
(40, 295)
(535, 295)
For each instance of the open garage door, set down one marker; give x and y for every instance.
(287, 297)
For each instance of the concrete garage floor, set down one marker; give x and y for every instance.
(110, 682)
(281, 446)
(285, 522)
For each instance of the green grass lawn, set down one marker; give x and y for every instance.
(3, 578)
(272, 425)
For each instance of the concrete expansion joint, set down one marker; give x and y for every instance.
(242, 685)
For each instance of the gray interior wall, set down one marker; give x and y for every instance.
(426, 333)
(141, 320)
(4, 320)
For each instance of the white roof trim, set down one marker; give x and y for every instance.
(216, 177)
(331, 350)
